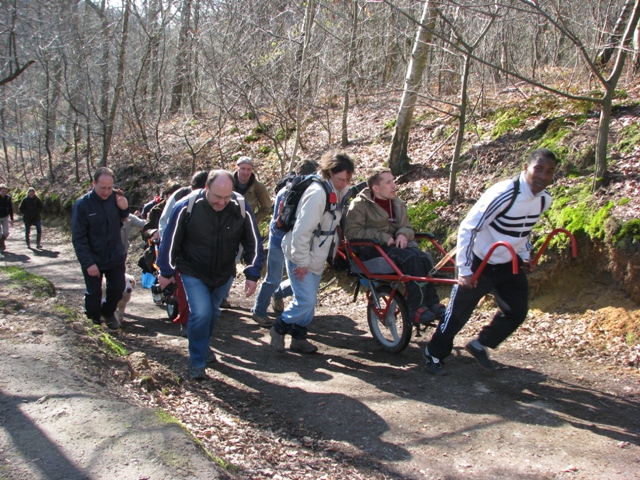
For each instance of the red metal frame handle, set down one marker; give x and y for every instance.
(574, 245)
(514, 260)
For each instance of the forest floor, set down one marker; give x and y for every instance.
(561, 404)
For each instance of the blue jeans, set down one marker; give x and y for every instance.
(204, 311)
(272, 284)
(299, 314)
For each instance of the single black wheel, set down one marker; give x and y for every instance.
(172, 308)
(390, 324)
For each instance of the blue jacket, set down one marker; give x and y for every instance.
(95, 231)
(206, 246)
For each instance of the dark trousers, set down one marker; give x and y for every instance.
(413, 261)
(511, 294)
(27, 231)
(94, 307)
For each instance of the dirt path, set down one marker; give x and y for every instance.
(352, 408)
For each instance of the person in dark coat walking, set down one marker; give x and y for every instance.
(31, 209)
(95, 233)
(6, 215)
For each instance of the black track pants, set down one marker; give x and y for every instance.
(511, 294)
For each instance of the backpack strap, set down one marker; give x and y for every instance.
(192, 199)
(516, 190)
(241, 203)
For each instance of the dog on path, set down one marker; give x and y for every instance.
(130, 284)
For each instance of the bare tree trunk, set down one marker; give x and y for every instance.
(182, 68)
(398, 159)
(5, 149)
(349, 73)
(462, 121)
(309, 15)
(614, 39)
(51, 120)
(611, 83)
(120, 78)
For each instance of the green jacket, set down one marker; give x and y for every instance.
(367, 219)
(256, 195)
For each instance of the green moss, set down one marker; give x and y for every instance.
(629, 232)
(422, 213)
(629, 138)
(624, 201)
(265, 149)
(113, 345)
(596, 226)
(251, 138)
(282, 134)
(37, 285)
(389, 124)
(505, 121)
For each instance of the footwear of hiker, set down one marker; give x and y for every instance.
(112, 322)
(263, 322)
(277, 304)
(302, 345)
(277, 340)
(481, 356)
(197, 373)
(434, 365)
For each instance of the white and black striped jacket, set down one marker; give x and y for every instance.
(497, 216)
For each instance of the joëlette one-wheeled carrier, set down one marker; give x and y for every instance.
(387, 312)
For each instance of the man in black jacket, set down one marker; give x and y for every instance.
(31, 208)
(95, 223)
(202, 246)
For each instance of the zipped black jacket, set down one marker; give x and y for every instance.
(206, 246)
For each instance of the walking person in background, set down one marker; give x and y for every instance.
(256, 195)
(31, 208)
(203, 246)
(307, 247)
(505, 212)
(95, 234)
(273, 285)
(198, 182)
(6, 215)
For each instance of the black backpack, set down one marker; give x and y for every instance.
(289, 203)
(284, 181)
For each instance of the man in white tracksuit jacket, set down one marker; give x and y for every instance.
(505, 212)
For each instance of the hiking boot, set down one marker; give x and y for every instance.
(112, 322)
(423, 316)
(3, 245)
(39, 246)
(302, 345)
(263, 322)
(225, 304)
(277, 304)
(434, 365)
(277, 340)
(211, 357)
(197, 373)
(481, 356)
(439, 310)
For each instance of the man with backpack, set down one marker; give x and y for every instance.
(273, 285)
(202, 244)
(307, 246)
(505, 212)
